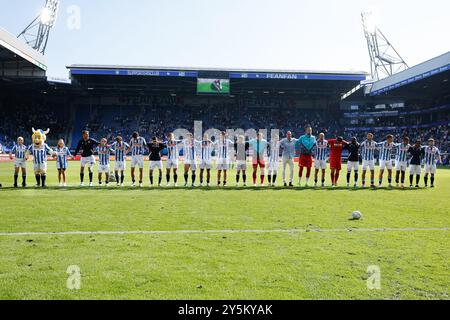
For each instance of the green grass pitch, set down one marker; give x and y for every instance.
(260, 260)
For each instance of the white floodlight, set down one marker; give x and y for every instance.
(370, 22)
(48, 13)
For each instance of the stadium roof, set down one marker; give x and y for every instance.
(428, 79)
(103, 69)
(17, 59)
(184, 80)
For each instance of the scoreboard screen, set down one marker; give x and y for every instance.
(213, 86)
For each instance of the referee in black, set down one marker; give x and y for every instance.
(353, 160)
(87, 146)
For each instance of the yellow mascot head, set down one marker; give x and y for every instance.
(39, 136)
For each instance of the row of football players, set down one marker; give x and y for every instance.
(198, 155)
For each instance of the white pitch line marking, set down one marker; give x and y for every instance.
(156, 232)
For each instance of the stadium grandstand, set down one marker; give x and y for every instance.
(118, 100)
(414, 102)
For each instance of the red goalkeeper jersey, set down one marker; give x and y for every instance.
(336, 149)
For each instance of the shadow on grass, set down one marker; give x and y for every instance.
(211, 188)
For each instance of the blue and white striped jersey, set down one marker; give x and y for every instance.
(321, 150)
(224, 148)
(61, 156)
(104, 152)
(39, 153)
(274, 152)
(190, 150)
(173, 149)
(431, 155)
(386, 149)
(206, 150)
(138, 146)
(367, 149)
(120, 150)
(19, 151)
(402, 152)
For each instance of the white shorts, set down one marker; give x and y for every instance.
(385, 164)
(20, 163)
(156, 164)
(89, 161)
(414, 169)
(172, 164)
(222, 164)
(137, 161)
(59, 167)
(352, 165)
(430, 168)
(401, 165)
(40, 167)
(103, 169)
(191, 163)
(320, 164)
(368, 163)
(205, 164)
(241, 165)
(120, 166)
(273, 166)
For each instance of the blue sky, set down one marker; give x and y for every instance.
(269, 34)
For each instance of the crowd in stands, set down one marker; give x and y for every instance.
(20, 119)
(157, 118)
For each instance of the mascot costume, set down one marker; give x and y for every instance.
(39, 150)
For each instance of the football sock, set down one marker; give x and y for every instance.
(237, 178)
(274, 178)
(186, 177)
(16, 176)
(348, 177)
(122, 177)
(244, 177)
(403, 176)
(193, 177)
(411, 179)
(175, 178)
(159, 179)
(356, 177)
(43, 178)
(81, 177)
(90, 176)
(117, 177)
(336, 177)
(168, 177)
(269, 178)
(262, 179)
(254, 177)
(390, 180)
(24, 179)
(426, 180)
(417, 179)
(332, 178)
(38, 179)
(151, 179)
(397, 177)
(432, 179)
